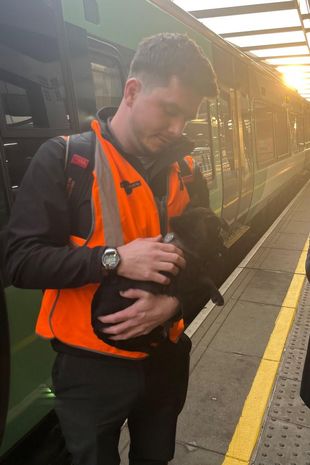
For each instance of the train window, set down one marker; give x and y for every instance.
(264, 134)
(91, 11)
(307, 126)
(247, 127)
(242, 76)
(300, 132)
(107, 79)
(32, 93)
(224, 67)
(226, 132)
(293, 131)
(281, 133)
(297, 132)
(198, 130)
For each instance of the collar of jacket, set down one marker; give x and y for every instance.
(174, 153)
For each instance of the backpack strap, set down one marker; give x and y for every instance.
(184, 167)
(78, 165)
(186, 173)
(187, 168)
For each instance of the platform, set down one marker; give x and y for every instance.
(243, 405)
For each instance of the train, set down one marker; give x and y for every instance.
(62, 60)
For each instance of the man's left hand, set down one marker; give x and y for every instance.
(148, 312)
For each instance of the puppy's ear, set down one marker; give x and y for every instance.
(181, 223)
(195, 202)
(189, 207)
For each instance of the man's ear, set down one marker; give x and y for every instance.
(132, 88)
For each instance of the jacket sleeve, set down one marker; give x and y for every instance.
(38, 254)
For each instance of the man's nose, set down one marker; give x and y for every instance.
(176, 126)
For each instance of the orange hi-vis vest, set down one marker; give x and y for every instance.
(118, 218)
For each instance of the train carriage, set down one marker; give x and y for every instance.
(62, 60)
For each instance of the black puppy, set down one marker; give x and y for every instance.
(197, 233)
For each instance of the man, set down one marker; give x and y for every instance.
(305, 380)
(134, 186)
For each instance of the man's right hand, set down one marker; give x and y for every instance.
(145, 259)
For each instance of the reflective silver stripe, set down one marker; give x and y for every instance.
(108, 199)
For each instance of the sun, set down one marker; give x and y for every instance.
(294, 78)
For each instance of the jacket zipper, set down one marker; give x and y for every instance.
(162, 210)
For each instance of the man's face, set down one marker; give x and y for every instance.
(158, 115)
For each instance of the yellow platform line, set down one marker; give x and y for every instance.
(301, 265)
(249, 425)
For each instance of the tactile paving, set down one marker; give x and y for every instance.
(303, 316)
(283, 444)
(298, 338)
(292, 364)
(285, 439)
(287, 405)
(306, 295)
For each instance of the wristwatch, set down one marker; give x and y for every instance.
(110, 260)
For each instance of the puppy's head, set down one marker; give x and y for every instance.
(199, 229)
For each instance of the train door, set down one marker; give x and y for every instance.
(205, 153)
(245, 154)
(229, 155)
(4, 362)
(33, 107)
(25, 361)
(4, 328)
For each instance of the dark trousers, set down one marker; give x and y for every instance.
(94, 396)
(305, 380)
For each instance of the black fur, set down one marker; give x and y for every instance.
(197, 233)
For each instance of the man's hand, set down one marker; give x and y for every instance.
(145, 259)
(148, 312)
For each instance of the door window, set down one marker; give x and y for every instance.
(198, 131)
(281, 131)
(264, 134)
(226, 132)
(107, 78)
(32, 90)
(297, 132)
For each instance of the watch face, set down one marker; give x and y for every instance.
(110, 259)
(169, 237)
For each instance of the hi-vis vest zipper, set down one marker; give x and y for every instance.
(118, 217)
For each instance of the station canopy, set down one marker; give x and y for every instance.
(276, 33)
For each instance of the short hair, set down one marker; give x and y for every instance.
(164, 55)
